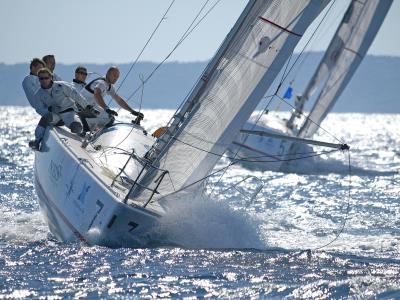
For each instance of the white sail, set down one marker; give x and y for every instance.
(230, 89)
(348, 47)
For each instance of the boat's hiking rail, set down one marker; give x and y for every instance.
(157, 181)
(146, 165)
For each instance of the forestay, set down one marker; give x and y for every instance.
(228, 92)
(348, 47)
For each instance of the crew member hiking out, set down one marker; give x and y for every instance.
(58, 103)
(96, 90)
(31, 83)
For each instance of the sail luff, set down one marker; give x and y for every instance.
(162, 145)
(240, 78)
(348, 47)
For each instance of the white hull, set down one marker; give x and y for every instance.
(266, 153)
(75, 193)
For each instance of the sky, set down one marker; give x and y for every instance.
(104, 31)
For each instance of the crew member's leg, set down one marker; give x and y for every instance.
(46, 120)
(72, 121)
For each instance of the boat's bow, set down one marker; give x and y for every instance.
(79, 190)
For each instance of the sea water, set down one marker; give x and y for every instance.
(329, 229)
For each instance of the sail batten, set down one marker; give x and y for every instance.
(236, 80)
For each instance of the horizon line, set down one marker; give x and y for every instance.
(166, 62)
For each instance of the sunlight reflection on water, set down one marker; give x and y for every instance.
(233, 247)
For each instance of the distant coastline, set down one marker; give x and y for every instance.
(373, 89)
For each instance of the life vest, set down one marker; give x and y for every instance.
(159, 132)
(90, 90)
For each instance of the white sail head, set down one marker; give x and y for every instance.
(232, 86)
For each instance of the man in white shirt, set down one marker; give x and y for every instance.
(96, 90)
(50, 62)
(79, 81)
(31, 84)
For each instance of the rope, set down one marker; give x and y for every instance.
(308, 251)
(347, 210)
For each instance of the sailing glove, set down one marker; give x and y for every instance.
(139, 115)
(91, 110)
(111, 112)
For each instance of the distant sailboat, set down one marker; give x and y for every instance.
(114, 191)
(271, 139)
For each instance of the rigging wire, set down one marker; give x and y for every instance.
(250, 158)
(235, 162)
(188, 31)
(318, 35)
(315, 123)
(142, 91)
(284, 76)
(185, 35)
(146, 44)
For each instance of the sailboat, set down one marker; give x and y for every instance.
(274, 142)
(113, 189)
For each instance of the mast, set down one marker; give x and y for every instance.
(347, 49)
(235, 80)
(183, 113)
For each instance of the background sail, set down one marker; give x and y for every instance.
(348, 47)
(236, 79)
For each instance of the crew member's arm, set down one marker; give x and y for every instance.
(70, 91)
(122, 103)
(40, 107)
(30, 90)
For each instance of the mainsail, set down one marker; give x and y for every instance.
(232, 85)
(348, 47)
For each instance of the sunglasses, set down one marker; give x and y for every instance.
(83, 73)
(44, 78)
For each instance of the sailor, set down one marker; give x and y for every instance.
(96, 90)
(80, 77)
(50, 62)
(31, 84)
(59, 100)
